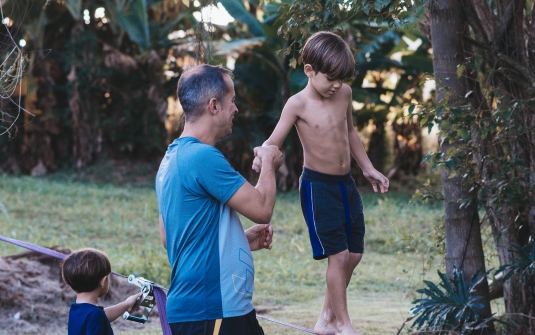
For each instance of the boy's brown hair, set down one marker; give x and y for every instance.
(329, 53)
(84, 269)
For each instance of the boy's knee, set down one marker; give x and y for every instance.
(341, 257)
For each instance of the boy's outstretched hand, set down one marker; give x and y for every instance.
(132, 302)
(260, 236)
(377, 179)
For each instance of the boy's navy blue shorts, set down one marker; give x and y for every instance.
(332, 208)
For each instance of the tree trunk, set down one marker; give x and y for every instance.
(463, 237)
(85, 139)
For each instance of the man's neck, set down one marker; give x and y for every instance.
(201, 132)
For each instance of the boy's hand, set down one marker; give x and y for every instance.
(257, 164)
(376, 178)
(132, 303)
(260, 236)
(267, 153)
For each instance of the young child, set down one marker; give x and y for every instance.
(331, 204)
(87, 272)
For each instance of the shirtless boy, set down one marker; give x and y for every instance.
(331, 204)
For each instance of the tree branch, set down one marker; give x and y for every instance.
(505, 21)
(522, 70)
(485, 18)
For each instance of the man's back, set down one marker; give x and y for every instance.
(193, 184)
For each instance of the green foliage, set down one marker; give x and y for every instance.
(135, 22)
(452, 305)
(524, 263)
(303, 18)
(237, 10)
(500, 130)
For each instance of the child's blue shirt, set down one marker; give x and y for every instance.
(88, 319)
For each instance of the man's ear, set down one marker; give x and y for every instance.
(213, 106)
(309, 71)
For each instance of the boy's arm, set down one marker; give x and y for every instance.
(115, 311)
(375, 177)
(285, 124)
(283, 127)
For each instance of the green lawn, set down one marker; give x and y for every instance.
(401, 246)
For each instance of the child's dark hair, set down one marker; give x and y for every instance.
(84, 269)
(329, 53)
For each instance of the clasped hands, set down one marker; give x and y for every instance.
(267, 156)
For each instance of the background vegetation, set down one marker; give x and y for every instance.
(101, 76)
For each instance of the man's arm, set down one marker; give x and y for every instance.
(162, 233)
(375, 177)
(256, 203)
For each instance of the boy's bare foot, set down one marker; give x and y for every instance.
(325, 327)
(348, 331)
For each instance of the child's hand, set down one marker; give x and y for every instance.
(132, 302)
(257, 164)
(376, 178)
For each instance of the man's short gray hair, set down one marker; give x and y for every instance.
(198, 85)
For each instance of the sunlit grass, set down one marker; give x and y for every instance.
(401, 246)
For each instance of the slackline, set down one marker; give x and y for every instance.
(159, 294)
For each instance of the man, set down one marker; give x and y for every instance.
(199, 193)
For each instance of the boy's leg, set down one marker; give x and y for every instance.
(334, 318)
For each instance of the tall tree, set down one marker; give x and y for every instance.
(494, 134)
(464, 248)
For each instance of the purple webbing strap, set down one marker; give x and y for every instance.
(29, 246)
(161, 301)
(159, 294)
(286, 324)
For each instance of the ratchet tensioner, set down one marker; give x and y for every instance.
(146, 301)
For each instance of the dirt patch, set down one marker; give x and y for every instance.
(34, 299)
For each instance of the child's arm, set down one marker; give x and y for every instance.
(285, 124)
(115, 311)
(375, 177)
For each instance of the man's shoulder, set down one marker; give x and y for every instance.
(194, 149)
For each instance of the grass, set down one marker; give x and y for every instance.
(402, 246)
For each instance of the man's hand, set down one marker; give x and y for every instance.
(260, 236)
(267, 153)
(376, 178)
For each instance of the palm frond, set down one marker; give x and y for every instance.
(451, 304)
(524, 263)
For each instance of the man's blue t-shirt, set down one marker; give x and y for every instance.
(212, 272)
(88, 319)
